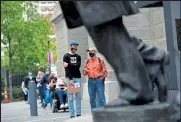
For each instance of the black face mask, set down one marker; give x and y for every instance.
(91, 54)
(73, 50)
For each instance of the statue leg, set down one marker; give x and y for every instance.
(113, 41)
(155, 60)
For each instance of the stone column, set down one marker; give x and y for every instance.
(111, 86)
(63, 38)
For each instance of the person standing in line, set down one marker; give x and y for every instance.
(72, 63)
(27, 79)
(25, 91)
(39, 79)
(96, 70)
(46, 89)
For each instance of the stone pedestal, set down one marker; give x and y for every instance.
(146, 113)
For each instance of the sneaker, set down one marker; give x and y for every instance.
(66, 105)
(78, 115)
(62, 106)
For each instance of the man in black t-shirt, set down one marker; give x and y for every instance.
(72, 63)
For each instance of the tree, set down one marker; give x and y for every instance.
(26, 38)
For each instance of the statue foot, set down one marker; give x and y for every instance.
(117, 103)
(162, 88)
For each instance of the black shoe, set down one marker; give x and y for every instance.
(72, 116)
(78, 115)
(44, 106)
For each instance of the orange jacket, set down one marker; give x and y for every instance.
(94, 68)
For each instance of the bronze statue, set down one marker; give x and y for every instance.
(137, 65)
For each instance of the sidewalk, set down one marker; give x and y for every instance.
(20, 112)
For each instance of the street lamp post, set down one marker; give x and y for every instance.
(49, 58)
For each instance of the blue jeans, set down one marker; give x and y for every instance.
(28, 96)
(96, 86)
(48, 97)
(60, 93)
(97, 98)
(41, 91)
(77, 98)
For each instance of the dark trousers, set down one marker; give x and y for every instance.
(25, 97)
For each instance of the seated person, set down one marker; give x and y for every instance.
(60, 90)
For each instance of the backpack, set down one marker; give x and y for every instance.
(99, 64)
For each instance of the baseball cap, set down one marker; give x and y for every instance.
(91, 49)
(74, 42)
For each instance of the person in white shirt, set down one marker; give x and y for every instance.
(60, 90)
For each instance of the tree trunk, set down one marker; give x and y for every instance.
(10, 79)
(10, 76)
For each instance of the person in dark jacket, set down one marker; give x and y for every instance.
(39, 79)
(46, 98)
(27, 79)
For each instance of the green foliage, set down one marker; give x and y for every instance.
(2, 84)
(17, 92)
(27, 38)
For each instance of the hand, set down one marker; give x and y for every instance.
(101, 78)
(71, 81)
(86, 69)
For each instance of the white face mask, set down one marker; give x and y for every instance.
(30, 74)
(47, 72)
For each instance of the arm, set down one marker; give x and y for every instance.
(51, 84)
(65, 61)
(85, 72)
(22, 86)
(104, 70)
(79, 61)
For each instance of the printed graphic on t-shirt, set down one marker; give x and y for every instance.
(73, 60)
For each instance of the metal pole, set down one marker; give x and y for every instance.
(5, 77)
(32, 97)
(49, 58)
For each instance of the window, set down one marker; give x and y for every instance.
(43, 2)
(178, 31)
(49, 2)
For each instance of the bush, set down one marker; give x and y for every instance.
(17, 94)
(2, 88)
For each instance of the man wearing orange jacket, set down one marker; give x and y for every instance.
(96, 71)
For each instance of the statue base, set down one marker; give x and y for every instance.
(155, 112)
